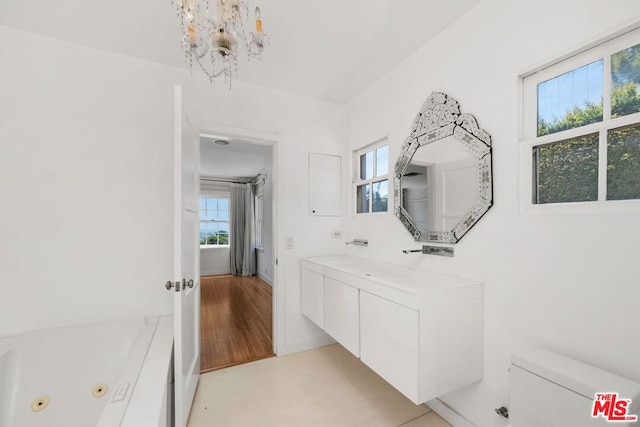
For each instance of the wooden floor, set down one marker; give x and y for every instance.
(236, 325)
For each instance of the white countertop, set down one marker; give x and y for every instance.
(416, 289)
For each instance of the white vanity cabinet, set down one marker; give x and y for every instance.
(390, 342)
(333, 306)
(422, 353)
(422, 332)
(341, 319)
(312, 296)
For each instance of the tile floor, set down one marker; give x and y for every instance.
(321, 387)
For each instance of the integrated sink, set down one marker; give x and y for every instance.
(414, 288)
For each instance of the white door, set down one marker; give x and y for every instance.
(186, 269)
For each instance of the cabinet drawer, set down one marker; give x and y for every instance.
(341, 314)
(312, 296)
(389, 342)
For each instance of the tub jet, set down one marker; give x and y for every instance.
(40, 404)
(100, 390)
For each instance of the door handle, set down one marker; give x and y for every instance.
(185, 283)
(171, 284)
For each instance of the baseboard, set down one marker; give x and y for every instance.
(268, 281)
(307, 345)
(214, 272)
(449, 414)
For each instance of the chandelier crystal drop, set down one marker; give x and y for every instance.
(211, 36)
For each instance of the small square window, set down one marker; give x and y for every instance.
(382, 160)
(362, 198)
(566, 171)
(571, 100)
(623, 163)
(380, 196)
(366, 165)
(625, 82)
(371, 186)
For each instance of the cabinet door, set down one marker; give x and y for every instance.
(324, 185)
(312, 296)
(342, 314)
(389, 342)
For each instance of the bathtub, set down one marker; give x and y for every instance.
(106, 374)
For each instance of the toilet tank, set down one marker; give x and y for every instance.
(550, 390)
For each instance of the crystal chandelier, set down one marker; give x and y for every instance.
(210, 36)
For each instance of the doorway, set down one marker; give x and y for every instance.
(237, 307)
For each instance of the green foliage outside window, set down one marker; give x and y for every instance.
(215, 239)
(567, 171)
(625, 76)
(623, 163)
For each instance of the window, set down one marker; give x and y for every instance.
(371, 182)
(581, 126)
(259, 217)
(214, 221)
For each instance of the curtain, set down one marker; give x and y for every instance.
(241, 230)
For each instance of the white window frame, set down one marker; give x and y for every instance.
(358, 182)
(215, 195)
(528, 127)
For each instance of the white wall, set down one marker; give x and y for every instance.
(86, 182)
(565, 282)
(215, 261)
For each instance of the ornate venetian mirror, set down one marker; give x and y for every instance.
(442, 178)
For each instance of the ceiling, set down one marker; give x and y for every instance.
(330, 50)
(239, 159)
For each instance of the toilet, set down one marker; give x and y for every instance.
(550, 390)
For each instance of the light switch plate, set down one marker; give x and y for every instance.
(289, 242)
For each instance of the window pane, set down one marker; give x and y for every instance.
(566, 171)
(203, 233)
(211, 215)
(571, 100)
(203, 203)
(223, 204)
(380, 196)
(366, 165)
(623, 163)
(382, 161)
(362, 198)
(212, 231)
(212, 204)
(223, 215)
(625, 82)
(223, 233)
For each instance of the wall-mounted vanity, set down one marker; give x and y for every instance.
(420, 331)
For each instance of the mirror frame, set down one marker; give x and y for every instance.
(440, 117)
